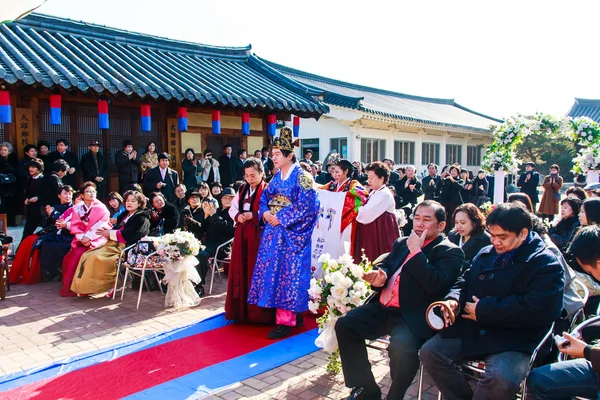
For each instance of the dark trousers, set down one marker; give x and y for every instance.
(372, 321)
(34, 219)
(504, 372)
(123, 186)
(203, 266)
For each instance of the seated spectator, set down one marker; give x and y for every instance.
(523, 199)
(34, 189)
(469, 232)
(576, 192)
(53, 181)
(88, 217)
(204, 191)
(96, 272)
(419, 270)
(164, 216)
(181, 201)
(579, 376)
(504, 304)
(563, 231)
(193, 215)
(115, 207)
(215, 190)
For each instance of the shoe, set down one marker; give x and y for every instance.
(200, 290)
(360, 393)
(280, 332)
(299, 320)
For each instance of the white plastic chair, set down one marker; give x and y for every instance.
(214, 263)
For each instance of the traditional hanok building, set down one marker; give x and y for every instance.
(585, 108)
(58, 76)
(369, 124)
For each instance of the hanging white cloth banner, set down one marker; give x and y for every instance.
(327, 236)
(499, 187)
(593, 177)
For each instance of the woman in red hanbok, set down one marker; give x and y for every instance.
(377, 225)
(244, 211)
(88, 217)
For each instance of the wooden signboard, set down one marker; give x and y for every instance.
(24, 129)
(174, 145)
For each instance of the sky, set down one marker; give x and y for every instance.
(495, 57)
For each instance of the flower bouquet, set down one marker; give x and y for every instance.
(486, 208)
(588, 159)
(180, 250)
(585, 131)
(339, 290)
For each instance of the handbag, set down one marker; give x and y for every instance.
(556, 196)
(5, 179)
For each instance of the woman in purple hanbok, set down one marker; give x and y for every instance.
(289, 208)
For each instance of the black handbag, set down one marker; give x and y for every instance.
(5, 179)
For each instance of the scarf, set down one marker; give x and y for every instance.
(506, 259)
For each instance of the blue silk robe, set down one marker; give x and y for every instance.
(281, 276)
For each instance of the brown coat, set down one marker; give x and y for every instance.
(549, 206)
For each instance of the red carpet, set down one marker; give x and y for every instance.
(150, 367)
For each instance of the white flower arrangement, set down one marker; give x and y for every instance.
(587, 159)
(401, 217)
(585, 131)
(501, 160)
(341, 289)
(177, 245)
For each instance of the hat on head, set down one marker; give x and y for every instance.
(530, 164)
(190, 193)
(228, 191)
(94, 143)
(285, 141)
(592, 186)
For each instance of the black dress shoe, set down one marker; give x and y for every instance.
(280, 332)
(360, 393)
(200, 290)
(299, 320)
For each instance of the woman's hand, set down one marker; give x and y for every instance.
(60, 224)
(86, 241)
(33, 199)
(113, 221)
(105, 232)
(49, 210)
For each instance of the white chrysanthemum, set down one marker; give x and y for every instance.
(347, 282)
(324, 258)
(346, 259)
(333, 265)
(339, 292)
(336, 277)
(313, 307)
(357, 271)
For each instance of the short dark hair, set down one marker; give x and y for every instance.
(64, 188)
(139, 197)
(226, 146)
(157, 194)
(379, 169)
(264, 149)
(254, 162)
(127, 142)
(43, 143)
(511, 218)
(148, 145)
(37, 163)
(578, 192)
(86, 185)
(59, 165)
(163, 156)
(63, 141)
(216, 184)
(523, 198)
(287, 153)
(434, 165)
(306, 151)
(241, 151)
(188, 150)
(133, 187)
(29, 147)
(207, 151)
(592, 210)
(475, 215)
(586, 245)
(575, 204)
(440, 211)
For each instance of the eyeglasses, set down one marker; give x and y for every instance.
(90, 192)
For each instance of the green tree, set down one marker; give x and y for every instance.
(544, 151)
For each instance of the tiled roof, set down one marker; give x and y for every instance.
(52, 52)
(425, 110)
(586, 108)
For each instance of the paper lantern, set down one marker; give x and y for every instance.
(146, 118)
(271, 124)
(296, 126)
(246, 124)
(182, 119)
(103, 114)
(5, 108)
(55, 109)
(216, 122)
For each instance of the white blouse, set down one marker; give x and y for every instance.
(379, 201)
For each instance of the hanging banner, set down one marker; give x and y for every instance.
(24, 128)
(327, 236)
(174, 144)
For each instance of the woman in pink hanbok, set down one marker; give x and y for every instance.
(88, 217)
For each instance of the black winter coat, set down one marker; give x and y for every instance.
(432, 191)
(89, 170)
(530, 187)
(170, 217)
(136, 227)
(518, 301)
(451, 191)
(405, 193)
(562, 233)
(472, 247)
(71, 159)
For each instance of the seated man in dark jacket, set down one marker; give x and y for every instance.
(504, 304)
(419, 270)
(580, 375)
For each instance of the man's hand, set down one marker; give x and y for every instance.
(411, 187)
(575, 349)
(470, 309)
(49, 210)
(159, 185)
(98, 179)
(33, 199)
(415, 242)
(481, 187)
(375, 277)
(452, 305)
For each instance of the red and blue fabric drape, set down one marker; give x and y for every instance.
(182, 119)
(146, 118)
(296, 126)
(103, 114)
(246, 124)
(216, 122)
(55, 109)
(5, 107)
(271, 124)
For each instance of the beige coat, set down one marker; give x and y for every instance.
(549, 206)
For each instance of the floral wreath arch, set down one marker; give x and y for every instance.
(501, 156)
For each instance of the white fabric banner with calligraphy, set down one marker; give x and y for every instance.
(326, 237)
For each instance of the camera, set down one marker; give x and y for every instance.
(561, 342)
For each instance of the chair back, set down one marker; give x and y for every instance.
(577, 332)
(3, 224)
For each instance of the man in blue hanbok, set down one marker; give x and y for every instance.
(288, 208)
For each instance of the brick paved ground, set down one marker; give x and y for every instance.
(38, 327)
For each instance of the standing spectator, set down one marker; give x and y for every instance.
(409, 187)
(62, 152)
(562, 233)
(359, 173)
(210, 168)
(552, 185)
(52, 182)
(149, 159)
(228, 164)
(93, 168)
(257, 154)
(9, 187)
(468, 191)
(162, 179)
(528, 183)
(34, 188)
(432, 183)
(322, 177)
(307, 156)
(128, 162)
(267, 162)
(401, 172)
(481, 187)
(43, 152)
(242, 156)
(450, 195)
(394, 177)
(192, 169)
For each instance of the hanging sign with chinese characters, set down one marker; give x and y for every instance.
(24, 128)
(174, 144)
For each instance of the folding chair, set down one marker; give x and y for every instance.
(577, 331)
(214, 263)
(122, 257)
